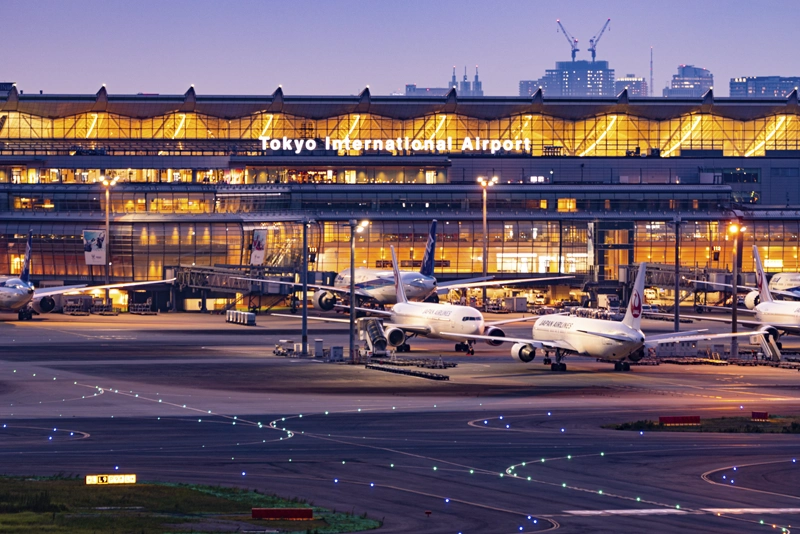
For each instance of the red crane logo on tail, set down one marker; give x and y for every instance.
(759, 280)
(636, 305)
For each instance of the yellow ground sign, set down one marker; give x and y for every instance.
(110, 479)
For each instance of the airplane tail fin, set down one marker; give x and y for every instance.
(26, 264)
(428, 261)
(398, 282)
(761, 280)
(633, 315)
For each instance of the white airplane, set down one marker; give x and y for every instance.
(19, 295)
(773, 317)
(378, 284)
(430, 319)
(619, 342)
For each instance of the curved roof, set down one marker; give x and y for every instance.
(396, 107)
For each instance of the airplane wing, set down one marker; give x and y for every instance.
(605, 335)
(366, 310)
(61, 290)
(344, 291)
(788, 328)
(532, 342)
(517, 320)
(699, 337)
(314, 318)
(420, 329)
(466, 284)
(673, 334)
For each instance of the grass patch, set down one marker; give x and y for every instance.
(63, 504)
(776, 425)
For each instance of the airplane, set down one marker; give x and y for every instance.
(430, 319)
(378, 284)
(602, 339)
(19, 295)
(774, 317)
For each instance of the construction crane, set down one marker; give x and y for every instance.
(572, 41)
(596, 39)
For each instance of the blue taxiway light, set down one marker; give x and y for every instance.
(243, 473)
(335, 480)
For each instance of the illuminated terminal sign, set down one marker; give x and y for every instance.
(102, 480)
(469, 144)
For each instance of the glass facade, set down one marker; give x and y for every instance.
(584, 186)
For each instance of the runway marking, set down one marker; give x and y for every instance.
(752, 510)
(707, 477)
(643, 511)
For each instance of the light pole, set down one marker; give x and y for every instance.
(355, 226)
(304, 340)
(735, 229)
(108, 184)
(485, 184)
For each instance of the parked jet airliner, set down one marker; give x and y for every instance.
(19, 295)
(619, 342)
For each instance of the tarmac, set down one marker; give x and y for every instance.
(501, 447)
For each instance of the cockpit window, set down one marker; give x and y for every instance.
(470, 319)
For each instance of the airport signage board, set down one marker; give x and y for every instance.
(398, 144)
(259, 244)
(102, 480)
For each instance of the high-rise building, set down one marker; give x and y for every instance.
(573, 78)
(763, 86)
(635, 86)
(463, 88)
(690, 82)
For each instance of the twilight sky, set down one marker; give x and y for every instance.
(338, 47)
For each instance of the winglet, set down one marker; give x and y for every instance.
(428, 261)
(26, 265)
(633, 315)
(761, 280)
(398, 283)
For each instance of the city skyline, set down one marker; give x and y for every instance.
(303, 46)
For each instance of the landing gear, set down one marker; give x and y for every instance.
(405, 347)
(622, 366)
(558, 365)
(465, 347)
(25, 314)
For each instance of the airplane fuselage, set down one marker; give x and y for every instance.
(440, 318)
(15, 294)
(779, 312)
(380, 284)
(576, 331)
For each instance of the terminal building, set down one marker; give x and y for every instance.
(586, 186)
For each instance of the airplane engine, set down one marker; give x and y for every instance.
(494, 332)
(770, 332)
(751, 300)
(395, 336)
(523, 352)
(43, 305)
(324, 300)
(636, 355)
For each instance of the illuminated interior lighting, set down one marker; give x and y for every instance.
(441, 123)
(601, 136)
(180, 126)
(353, 127)
(91, 128)
(524, 126)
(769, 136)
(695, 122)
(264, 131)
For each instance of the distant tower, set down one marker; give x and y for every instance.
(477, 86)
(454, 81)
(652, 87)
(465, 89)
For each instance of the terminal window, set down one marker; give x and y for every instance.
(741, 176)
